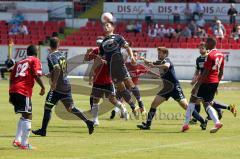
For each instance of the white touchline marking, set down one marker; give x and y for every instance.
(158, 147)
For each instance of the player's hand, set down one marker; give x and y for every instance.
(47, 75)
(42, 92)
(141, 58)
(193, 82)
(133, 61)
(90, 81)
(194, 90)
(89, 50)
(151, 65)
(103, 61)
(53, 86)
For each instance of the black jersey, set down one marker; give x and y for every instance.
(200, 63)
(58, 58)
(111, 48)
(169, 74)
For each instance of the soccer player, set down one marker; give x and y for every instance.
(60, 88)
(22, 79)
(136, 70)
(111, 49)
(171, 88)
(102, 83)
(207, 84)
(199, 70)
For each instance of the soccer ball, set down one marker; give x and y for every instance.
(107, 17)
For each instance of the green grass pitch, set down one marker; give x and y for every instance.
(119, 139)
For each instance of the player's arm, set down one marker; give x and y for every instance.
(95, 65)
(153, 73)
(202, 77)
(130, 53)
(220, 74)
(89, 51)
(37, 67)
(162, 66)
(195, 76)
(55, 75)
(40, 83)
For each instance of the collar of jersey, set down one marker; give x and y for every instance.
(54, 51)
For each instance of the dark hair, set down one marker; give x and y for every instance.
(54, 43)
(163, 50)
(202, 44)
(211, 43)
(32, 50)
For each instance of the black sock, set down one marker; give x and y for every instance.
(91, 102)
(150, 116)
(46, 118)
(136, 93)
(79, 114)
(127, 97)
(197, 116)
(220, 106)
(198, 107)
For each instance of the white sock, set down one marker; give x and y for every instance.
(213, 114)
(95, 109)
(26, 128)
(19, 130)
(117, 109)
(189, 111)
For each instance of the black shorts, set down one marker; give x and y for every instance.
(120, 74)
(101, 91)
(118, 69)
(53, 97)
(21, 103)
(175, 92)
(207, 91)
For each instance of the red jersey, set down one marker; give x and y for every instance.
(136, 71)
(23, 75)
(101, 74)
(214, 62)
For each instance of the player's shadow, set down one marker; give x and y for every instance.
(7, 136)
(8, 148)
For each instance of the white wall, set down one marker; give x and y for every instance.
(58, 8)
(164, 10)
(183, 59)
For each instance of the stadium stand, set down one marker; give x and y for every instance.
(38, 31)
(86, 36)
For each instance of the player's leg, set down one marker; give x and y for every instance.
(26, 129)
(96, 95)
(51, 100)
(118, 105)
(23, 105)
(197, 108)
(218, 106)
(91, 101)
(135, 91)
(158, 100)
(69, 105)
(126, 95)
(95, 109)
(116, 109)
(189, 113)
(207, 99)
(110, 93)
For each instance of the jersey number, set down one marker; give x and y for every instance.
(21, 70)
(63, 65)
(217, 65)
